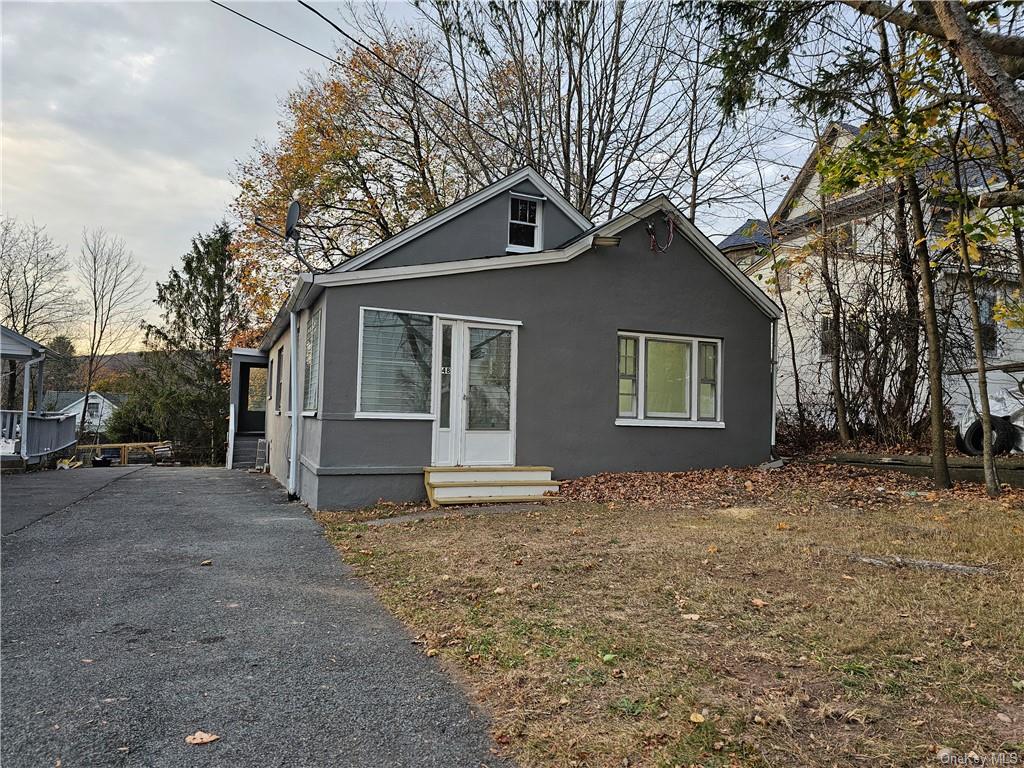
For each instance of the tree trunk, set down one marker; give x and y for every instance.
(800, 417)
(835, 301)
(911, 334)
(11, 390)
(940, 467)
(90, 370)
(991, 477)
(982, 67)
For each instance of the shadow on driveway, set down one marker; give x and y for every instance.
(118, 643)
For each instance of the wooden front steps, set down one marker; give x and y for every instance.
(482, 485)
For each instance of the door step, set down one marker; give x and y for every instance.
(482, 485)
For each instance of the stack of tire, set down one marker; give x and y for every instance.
(1004, 436)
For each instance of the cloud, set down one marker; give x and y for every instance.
(131, 115)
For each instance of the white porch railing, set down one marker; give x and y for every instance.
(46, 433)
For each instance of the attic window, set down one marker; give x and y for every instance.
(524, 221)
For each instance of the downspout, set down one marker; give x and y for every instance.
(775, 375)
(231, 437)
(293, 396)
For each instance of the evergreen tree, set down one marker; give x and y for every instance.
(180, 392)
(62, 372)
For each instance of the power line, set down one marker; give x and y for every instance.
(416, 84)
(275, 32)
(411, 80)
(419, 86)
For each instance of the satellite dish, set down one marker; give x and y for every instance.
(291, 223)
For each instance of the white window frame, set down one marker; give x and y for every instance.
(693, 421)
(538, 237)
(435, 361)
(318, 315)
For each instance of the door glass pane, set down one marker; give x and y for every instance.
(446, 376)
(489, 390)
(256, 397)
(708, 357)
(668, 379)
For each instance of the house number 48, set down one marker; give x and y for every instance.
(446, 371)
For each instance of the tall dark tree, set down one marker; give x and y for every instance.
(183, 380)
(62, 369)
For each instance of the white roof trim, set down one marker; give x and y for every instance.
(93, 393)
(660, 203)
(15, 346)
(460, 207)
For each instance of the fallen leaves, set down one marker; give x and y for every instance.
(696, 717)
(758, 603)
(834, 484)
(207, 562)
(201, 737)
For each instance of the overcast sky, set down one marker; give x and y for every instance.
(131, 116)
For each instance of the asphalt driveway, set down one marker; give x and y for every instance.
(117, 642)
(34, 495)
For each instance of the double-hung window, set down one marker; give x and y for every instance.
(311, 376)
(395, 364)
(669, 381)
(524, 224)
(279, 385)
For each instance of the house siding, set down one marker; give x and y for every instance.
(478, 233)
(571, 314)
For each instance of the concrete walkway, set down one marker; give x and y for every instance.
(118, 643)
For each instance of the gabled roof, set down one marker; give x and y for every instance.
(752, 233)
(462, 206)
(810, 165)
(14, 346)
(62, 399)
(308, 286)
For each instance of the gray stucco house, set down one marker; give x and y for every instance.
(504, 339)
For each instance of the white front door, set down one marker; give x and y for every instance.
(475, 424)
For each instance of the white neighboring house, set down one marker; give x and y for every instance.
(98, 409)
(867, 278)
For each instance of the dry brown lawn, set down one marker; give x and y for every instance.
(718, 618)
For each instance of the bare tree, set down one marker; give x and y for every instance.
(113, 284)
(612, 102)
(36, 299)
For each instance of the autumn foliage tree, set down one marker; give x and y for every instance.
(610, 102)
(356, 151)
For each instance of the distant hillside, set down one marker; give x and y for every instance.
(122, 362)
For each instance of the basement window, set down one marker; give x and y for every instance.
(524, 223)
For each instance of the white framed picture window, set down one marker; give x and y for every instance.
(667, 380)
